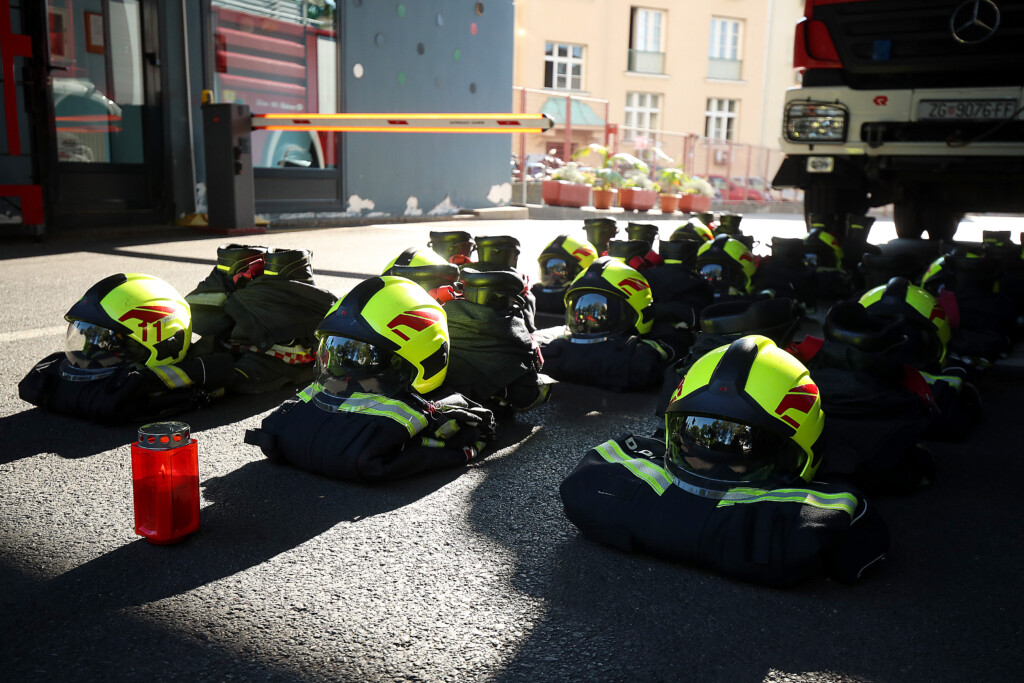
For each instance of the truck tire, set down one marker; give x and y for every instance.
(912, 220)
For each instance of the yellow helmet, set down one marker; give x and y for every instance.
(960, 268)
(564, 259)
(608, 298)
(746, 414)
(385, 334)
(920, 310)
(415, 257)
(692, 230)
(822, 249)
(127, 317)
(727, 264)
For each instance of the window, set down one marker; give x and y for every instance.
(643, 114)
(646, 54)
(724, 49)
(720, 119)
(563, 66)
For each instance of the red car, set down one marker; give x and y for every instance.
(730, 190)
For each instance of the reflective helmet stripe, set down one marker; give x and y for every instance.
(656, 477)
(172, 377)
(846, 502)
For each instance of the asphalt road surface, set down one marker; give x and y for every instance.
(465, 575)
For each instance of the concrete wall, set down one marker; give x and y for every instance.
(442, 56)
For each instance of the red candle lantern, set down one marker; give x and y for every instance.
(165, 482)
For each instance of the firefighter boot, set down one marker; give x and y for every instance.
(289, 264)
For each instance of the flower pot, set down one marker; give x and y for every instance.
(604, 199)
(563, 193)
(694, 202)
(669, 202)
(635, 199)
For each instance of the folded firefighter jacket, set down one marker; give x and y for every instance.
(621, 495)
(370, 437)
(877, 411)
(621, 363)
(132, 393)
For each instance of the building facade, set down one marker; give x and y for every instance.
(692, 83)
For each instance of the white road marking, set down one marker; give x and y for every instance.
(32, 334)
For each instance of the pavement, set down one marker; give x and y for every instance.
(471, 574)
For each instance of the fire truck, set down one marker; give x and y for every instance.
(914, 103)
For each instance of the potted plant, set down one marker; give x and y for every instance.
(671, 182)
(566, 186)
(609, 176)
(605, 187)
(696, 194)
(638, 193)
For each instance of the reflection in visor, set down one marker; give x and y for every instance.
(554, 272)
(595, 313)
(714, 273)
(726, 452)
(91, 347)
(341, 359)
(811, 259)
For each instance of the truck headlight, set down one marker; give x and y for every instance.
(811, 122)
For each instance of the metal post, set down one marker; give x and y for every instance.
(227, 129)
(567, 151)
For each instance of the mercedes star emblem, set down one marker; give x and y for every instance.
(974, 21)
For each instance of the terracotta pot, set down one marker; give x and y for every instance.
(669, 202)
(563, 193)
(604, 199)
(694, 202)
(634, 199)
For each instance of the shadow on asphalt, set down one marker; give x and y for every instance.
(39, 431)
(938, 609)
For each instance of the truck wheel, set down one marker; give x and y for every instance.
(912, 221)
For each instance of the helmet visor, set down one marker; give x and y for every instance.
(345, 364)
(92, 347)
(596, 314)
(554, 272)
(719, 453)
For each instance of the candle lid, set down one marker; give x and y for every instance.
(164, 435)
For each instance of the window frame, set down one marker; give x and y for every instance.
(719, 113)
(635, 110)
(552, 60)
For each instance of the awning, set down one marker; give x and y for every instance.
(582, 114)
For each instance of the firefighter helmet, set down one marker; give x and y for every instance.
(415, 257)
(727, 264)
(127, 317)
(608, 298)
(746, 414)
(928, 329)
(564, 259)
(384, 335)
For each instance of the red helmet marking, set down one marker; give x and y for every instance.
(937, 312)
(582, 251)
(800, 398)
(414, 320)
(634, 283)
(746, 256)
(150, 315)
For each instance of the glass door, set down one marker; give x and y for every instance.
(104, 78)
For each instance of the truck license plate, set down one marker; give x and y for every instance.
(932, 110)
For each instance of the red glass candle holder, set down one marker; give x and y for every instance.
(165, 482)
